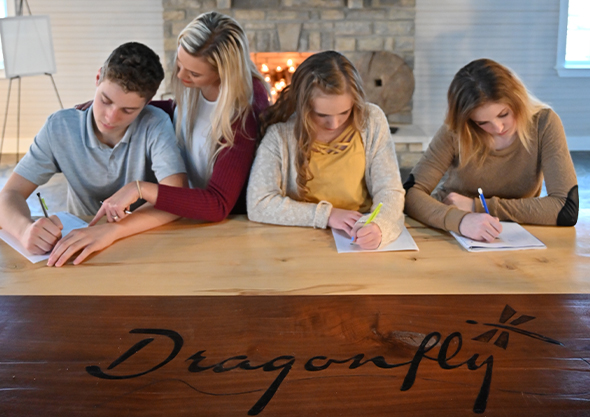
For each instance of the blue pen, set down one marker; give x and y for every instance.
(483, 200)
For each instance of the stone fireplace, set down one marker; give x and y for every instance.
(363, 30)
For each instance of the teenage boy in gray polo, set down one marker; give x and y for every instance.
(116, 141)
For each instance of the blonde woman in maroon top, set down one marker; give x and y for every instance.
(219, 94)
(497, 137)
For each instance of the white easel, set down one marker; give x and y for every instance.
(22, 39)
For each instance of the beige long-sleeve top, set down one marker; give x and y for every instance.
(511, 180)
(272, 191)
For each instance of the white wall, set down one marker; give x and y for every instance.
(521, 34)
(84, 34)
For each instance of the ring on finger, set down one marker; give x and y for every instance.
(115, 217)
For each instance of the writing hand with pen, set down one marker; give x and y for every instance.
(365, 234)
(44, 235)
(41, 235)
(477, 226)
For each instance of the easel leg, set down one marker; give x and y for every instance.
(18, 114)
(18, 124)
(55, 88)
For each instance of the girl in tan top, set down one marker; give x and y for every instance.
(327, 156)
(497, 137)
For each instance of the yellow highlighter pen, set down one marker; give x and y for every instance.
(371, 217)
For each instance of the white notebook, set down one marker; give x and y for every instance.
(513, 237)
(69, 222)
(403, 242)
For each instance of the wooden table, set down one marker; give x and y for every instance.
(158, 324)
(238, 257)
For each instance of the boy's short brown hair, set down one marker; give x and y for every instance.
(134, 67)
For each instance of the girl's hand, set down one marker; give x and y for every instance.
(480, 226)
(460, 201)
(367, 237)
(343, 219)
(116, 206)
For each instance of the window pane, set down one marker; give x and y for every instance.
(577, 49)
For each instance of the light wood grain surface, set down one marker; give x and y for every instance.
(238, 257)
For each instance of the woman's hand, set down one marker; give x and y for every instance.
(117, 206)
(480, 226)
(367, 237)
(343, 219)
(460, 201)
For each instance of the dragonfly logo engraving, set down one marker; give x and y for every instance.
(502, 339)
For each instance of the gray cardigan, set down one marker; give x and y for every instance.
(272, 191)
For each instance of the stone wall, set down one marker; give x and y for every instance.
(349, 26)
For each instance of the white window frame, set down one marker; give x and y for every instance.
(5, 7)
(562, 70)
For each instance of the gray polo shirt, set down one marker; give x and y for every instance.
(94, 172)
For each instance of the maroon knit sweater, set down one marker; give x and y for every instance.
(226, 191)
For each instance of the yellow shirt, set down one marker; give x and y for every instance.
(338, 170)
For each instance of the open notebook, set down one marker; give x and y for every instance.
(69, 222)
(403, 242)
(513, 237)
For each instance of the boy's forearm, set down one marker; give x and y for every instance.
(15, 215)
(147, 217)
(144, 218)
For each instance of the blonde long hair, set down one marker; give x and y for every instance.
(331, 73)
(478, 83)
(222, 42)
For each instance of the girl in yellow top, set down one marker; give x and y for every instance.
(327, 156)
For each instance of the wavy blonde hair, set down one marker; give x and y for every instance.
(481, 82)
(222, 42)
(331, 73)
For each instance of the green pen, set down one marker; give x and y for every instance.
(371, 217)
(43, 205)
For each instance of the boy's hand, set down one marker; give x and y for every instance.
(480, 226)
(40, 236)
(87, 240)
(343, 219)
(367, 237)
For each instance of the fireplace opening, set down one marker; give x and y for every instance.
(278, 68)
